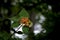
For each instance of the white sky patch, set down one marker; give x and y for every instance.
(17, 28)
(49, 7)
(44, 31)
(12, 22)
(42, 19)
(23, 36)
(11, 31)
(37, 28)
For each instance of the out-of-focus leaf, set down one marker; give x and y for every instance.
(4, 35)
(15, 18)
(23, 13)
(15, 24)
(25, 30)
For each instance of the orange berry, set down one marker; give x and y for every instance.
(25, 21)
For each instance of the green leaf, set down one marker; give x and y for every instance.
(15, 24)
(25, 30)
(15, 18)
(23, 13)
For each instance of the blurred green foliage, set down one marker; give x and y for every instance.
(16, 19)
(4, 35)
(25, 30)
(30, 6)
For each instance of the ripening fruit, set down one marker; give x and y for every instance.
(25, 21)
